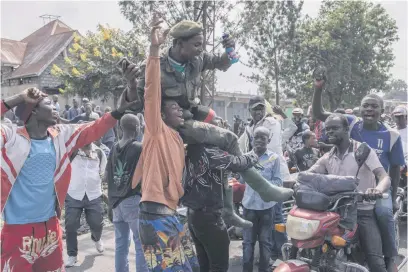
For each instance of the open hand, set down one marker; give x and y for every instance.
(157, 38)
(32, 95)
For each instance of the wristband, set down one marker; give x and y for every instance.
(117, 115)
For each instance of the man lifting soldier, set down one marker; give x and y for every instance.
(180, 73)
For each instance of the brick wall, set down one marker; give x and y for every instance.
(46, 79)
(5, 72)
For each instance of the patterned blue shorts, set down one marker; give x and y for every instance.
(167, 244)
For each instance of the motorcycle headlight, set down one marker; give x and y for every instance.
(300, 228)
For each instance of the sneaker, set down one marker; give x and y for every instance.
(71, 261)
(99, 246)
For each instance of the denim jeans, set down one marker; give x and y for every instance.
(370, 240)
(278, 238)
(94, 217)
(386, 223)
(261, 230)
(126, 218)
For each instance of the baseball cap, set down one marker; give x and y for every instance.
(256, 101)
(399, 111)
(297, 110)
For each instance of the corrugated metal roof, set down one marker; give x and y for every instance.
(52, 28)
(42, 47)
(39, 55)
(12, 52)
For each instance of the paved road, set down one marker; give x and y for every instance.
(90, 260)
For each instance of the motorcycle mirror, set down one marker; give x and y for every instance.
(361, 154)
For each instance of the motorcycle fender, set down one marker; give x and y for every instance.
(292, 266)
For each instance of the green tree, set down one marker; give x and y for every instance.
(353, 40)
(270, 28)
(91, 70)
(396, 89)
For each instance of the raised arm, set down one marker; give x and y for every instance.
(29, 96)
(317, 105)
(80, 135)
(211, 61)
(135, 77)
(152, 96)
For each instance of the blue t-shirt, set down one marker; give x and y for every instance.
(32, 197)
(385, 142)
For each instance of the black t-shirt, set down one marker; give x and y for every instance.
(203, 176)
(306, 157)
(119, 171)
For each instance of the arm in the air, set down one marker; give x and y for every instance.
(152, 96)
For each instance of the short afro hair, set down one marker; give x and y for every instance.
(340, 116)
(375, 96)
(306, 135)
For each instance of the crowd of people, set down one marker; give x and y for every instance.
(179, 153)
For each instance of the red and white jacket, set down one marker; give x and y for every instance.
(15, 146)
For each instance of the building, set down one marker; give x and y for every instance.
(227, 105)
(27, 63)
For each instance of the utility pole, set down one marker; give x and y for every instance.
(213, 51)
(202, 15)
(204, 22)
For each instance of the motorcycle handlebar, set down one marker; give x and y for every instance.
(364, 196)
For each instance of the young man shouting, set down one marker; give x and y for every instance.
(341, 161)
(35, 174)
(161, 169)
(386, 142)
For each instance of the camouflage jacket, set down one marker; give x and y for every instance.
(184, 87)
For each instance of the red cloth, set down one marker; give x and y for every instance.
(238, 190)
(318, 129)
(26, 247)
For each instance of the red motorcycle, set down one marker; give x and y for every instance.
(318, 243)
